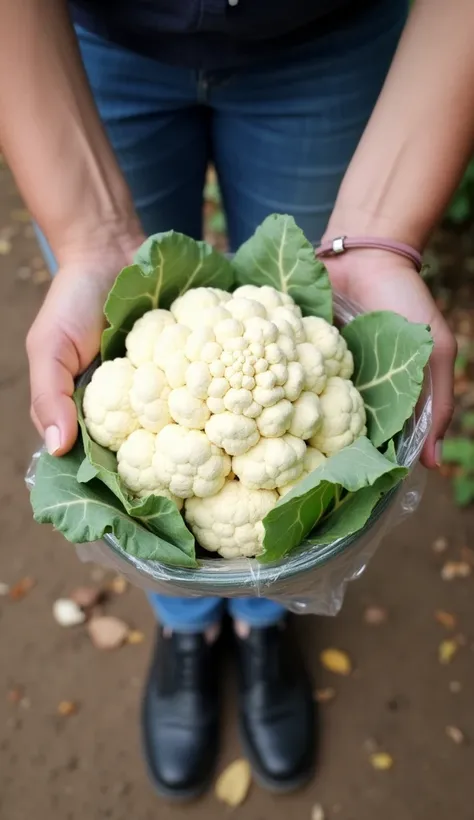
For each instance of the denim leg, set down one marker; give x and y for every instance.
(284, 132)
(257, 612)
(160, 134)
(187, 614)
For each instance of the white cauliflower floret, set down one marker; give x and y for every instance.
(307, 416)
(312, 460)
(272, 463)
(140, 342)
(312, 362)
(188, 308)
(135, 467)
(108, 413)
(149, 397)
(269, 297)
(337, 358)
(234, 434)
(187, 410)
(343, 417)
(187, 463)
(230, 522)
(284, 316)
(170, 356)
(276, 420)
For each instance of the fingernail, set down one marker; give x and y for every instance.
(439, 452)
(52, 439)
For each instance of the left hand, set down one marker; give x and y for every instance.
(380, 280)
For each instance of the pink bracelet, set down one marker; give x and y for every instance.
(334, 247)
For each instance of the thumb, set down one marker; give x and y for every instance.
(53, 365)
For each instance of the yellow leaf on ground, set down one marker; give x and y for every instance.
(118, 585)
(381, 761)
(233, 784)
(135, 636)
(66, 708)
(5, 247)
(455, 569)
(447, 651)
(336, 661)
(446, 619)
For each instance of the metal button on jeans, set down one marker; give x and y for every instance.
(232, 2)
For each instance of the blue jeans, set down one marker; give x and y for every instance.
(280, 134)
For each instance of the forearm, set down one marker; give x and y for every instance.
(51, 134)
(421, 134)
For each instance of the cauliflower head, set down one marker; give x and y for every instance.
(271, 463)
(230, 523)
(135, 467)
(188, 464)
(108, 412)
(338, 359)
(243, 369)
(312, 460)
(343, 417)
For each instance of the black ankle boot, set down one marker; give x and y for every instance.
(277, 712)
(180, 715)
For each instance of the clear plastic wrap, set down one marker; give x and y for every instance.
(310, 579)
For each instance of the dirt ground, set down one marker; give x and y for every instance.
(399, 699)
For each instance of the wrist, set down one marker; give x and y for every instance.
(110, 247)
(353, 222)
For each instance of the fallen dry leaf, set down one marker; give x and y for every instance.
(67, 613)
(336, 661)
(375, 615)
(455, 569)
(15, 695)
(118, 585)
(317, 812)
(446, 619)
(440, 545)
(107, 632)
(18, 591)
(233, 784)
(135, 636)
(381, 761)
(447, 651)
(455, 687)
(67, 708)
(5, 247)
(86, 597)
(4, 589)
(324, 695)
(455, 734)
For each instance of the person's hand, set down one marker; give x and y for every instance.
(380, 280)
(63, 341)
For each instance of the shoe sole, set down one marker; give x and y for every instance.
(266, 781)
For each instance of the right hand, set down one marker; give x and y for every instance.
(63, 340)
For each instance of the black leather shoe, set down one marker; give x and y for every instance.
(277, 711)
(180, 715)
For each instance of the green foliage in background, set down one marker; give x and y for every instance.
(461, 209)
